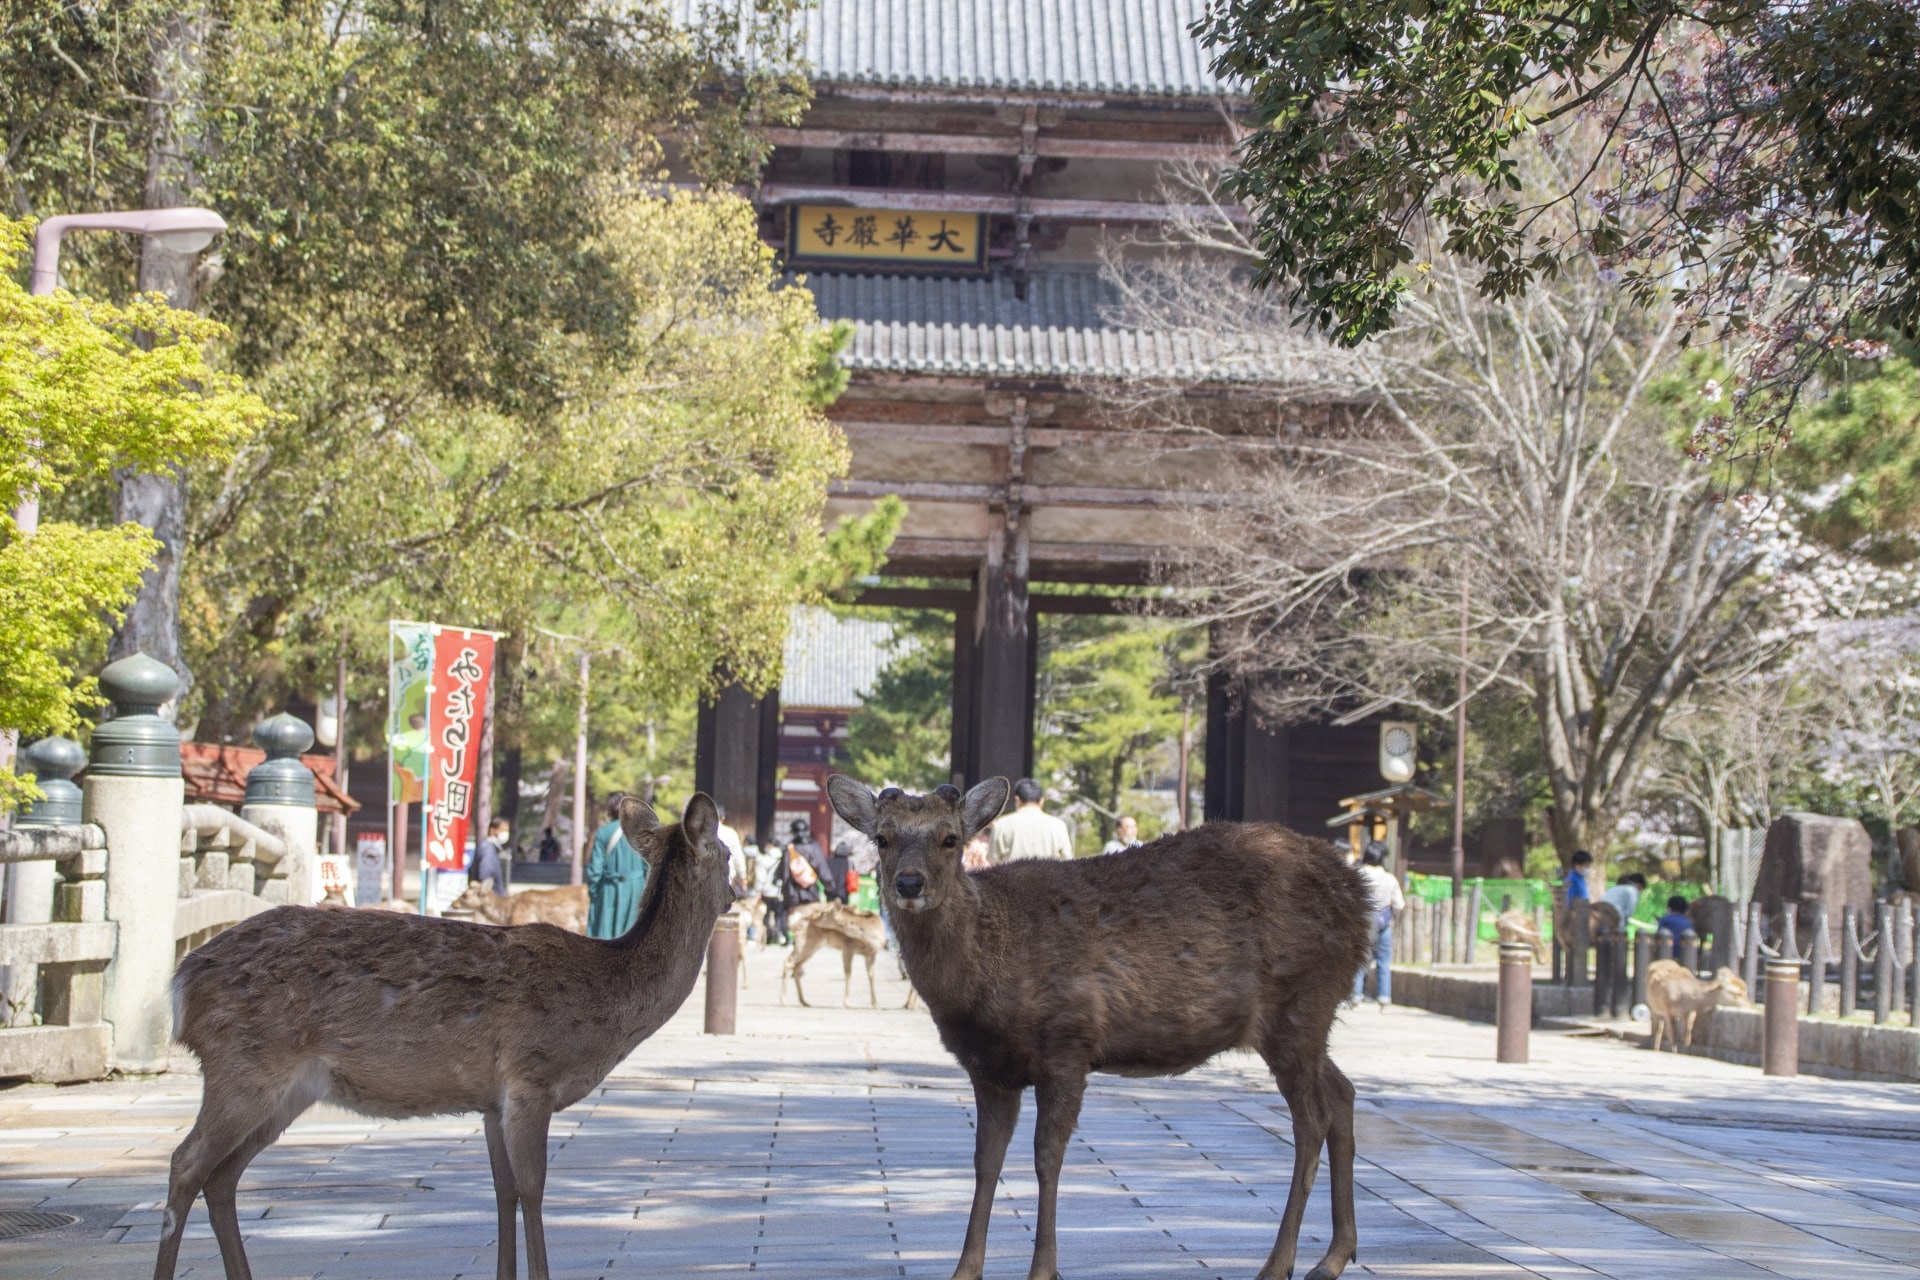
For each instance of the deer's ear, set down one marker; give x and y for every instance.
(854, 802)
(701, 821)
(984, 803)
(637, 818)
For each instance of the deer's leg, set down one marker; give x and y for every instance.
(524, 1124)
(232, 1111)
(506, 1195)
(846, 988)
(224, 1181)
(1300, 1084)
(1057, 1105)
(809, 943)
(873, 992)
(1336, 1092)
(998, 1111)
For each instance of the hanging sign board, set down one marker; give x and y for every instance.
(832, 235)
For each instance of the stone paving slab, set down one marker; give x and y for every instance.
(834, 1142)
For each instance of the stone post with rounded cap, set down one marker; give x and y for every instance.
(280, 798)
(51, 762)
(134, 792)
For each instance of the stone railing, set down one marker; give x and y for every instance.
(90, 943)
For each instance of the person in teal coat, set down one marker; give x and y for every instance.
(616, 878)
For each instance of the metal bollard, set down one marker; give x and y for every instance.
(1603, 975)
(1513, 1014)
(723, 975)
(1439, 939)
(1849, 961)
(1883, 964)
(1688, 951)
(1662, 945)
(1780, 1049)
(1642, 957)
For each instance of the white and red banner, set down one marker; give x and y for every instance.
(456, 705)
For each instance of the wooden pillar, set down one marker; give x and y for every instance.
(1222, 799)
(1002, 678)
(960, 743)
(732, 759)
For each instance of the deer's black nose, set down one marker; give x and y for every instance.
(909, 884)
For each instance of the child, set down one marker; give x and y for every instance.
(1676, 921)
(1577, 878)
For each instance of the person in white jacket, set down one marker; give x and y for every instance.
(1384, 895)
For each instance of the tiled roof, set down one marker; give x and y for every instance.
(1132, 48)
(977, 327)
(832, 661)
(1136, 47)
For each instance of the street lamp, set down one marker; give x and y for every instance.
(181, 231)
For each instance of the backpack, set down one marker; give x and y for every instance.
(799, 870)
(853, 882)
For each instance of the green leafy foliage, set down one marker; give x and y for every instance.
(1857, 449)
(901, 735)
(86, 387)
(1756, 161)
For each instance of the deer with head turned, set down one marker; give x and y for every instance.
(852, 933)
(563, 908)
(394, 1015)
(1038, 973)
(1676, 997)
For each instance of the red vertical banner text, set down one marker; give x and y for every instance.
(456, 701)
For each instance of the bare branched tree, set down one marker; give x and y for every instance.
(1523, 455)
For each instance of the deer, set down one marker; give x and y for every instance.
(397, 1016)
(1675, 998)
(1038, 973)
(852, 933)
(1515, 926)
(564, 908)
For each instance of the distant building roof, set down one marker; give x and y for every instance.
(832, 661)
(978, 327)
(1135, 47)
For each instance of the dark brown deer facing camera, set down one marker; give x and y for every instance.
(398, 1015)
(1037, 973)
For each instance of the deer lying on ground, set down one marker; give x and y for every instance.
(1676, 997)
(563, 908)
(1513, 926)
(852, 933)
(1039, 972)
(395, 1015)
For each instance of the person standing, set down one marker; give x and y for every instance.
(1384, 898)
(1577, 887)
(839, 863)
(803, 866)
(616, 878)
(1029, 831)
(1624, 897)
(736, 852)
(549, 846)
(770, 881)
(485, 867)
(1126, 835)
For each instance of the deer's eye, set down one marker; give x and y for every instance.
(879, 842)
(951, 842)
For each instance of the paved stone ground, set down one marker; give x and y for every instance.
(837, 1143)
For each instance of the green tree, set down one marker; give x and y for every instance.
(901, 735)
(86, 388)
(669, 508)
(1855, 453)
(1757, 161)
(1106, 706)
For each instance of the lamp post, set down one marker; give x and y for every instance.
(181, 231)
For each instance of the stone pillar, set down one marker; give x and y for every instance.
(51, 762)
(134, 793)
(280, 798)
(733, 759)
(960, 739)
(1003, 665)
